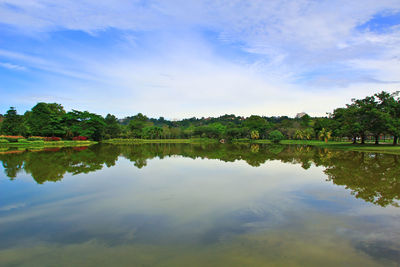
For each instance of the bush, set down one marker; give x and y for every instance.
(23, 140)
(35, 138)
(37, 142)
(4, 141)
(11, 138)
(276, 136)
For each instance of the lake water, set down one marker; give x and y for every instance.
(199, 205)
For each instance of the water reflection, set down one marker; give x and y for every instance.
(372, 177)
(163, 205)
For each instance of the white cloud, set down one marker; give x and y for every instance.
(287, 56)
(11, 66)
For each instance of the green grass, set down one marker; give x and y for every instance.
(368, 147)
(39, 144)
(383, 147)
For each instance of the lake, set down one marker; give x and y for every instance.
(199, 205)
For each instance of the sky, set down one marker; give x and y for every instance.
(185, 58)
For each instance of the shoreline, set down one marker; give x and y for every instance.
(46, 144)
(160, 141)
(386, 148)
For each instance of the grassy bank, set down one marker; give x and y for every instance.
(42, 144)
(368, 147)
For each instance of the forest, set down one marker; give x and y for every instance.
(371, 118)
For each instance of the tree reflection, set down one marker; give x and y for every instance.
(370, 176)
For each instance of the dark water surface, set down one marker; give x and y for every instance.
(199, 205)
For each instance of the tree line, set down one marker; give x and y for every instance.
(370, 117)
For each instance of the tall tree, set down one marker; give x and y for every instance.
(13, 124)
(152, 132)
(84, 123)
(112, 127)
(137, 124)
(45, 119)
(390, 105)
(372, 117)
(346, 123)
(257, 123)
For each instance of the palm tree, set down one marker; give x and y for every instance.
(254, 134)
(299, 134)
(325, 134)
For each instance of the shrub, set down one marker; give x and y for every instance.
(4, 141)
(37, 142)
(11, 138)
(35, 138)
(276, 136)
(22, 140)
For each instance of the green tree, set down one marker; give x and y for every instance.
(137, 124)
(254, 134)
(1, 120)
(372, 117)
(322, 123)
(112, 128)
(308, 133)
(325, 134)
(235, 133)
(214, 130)
(152, 132)
(276, 136)
(13, 124)
(189, 131)
(166, 132)
(391, 107)
(299, 135)
(84, 123)
(218, 129)
(305, 120)
(46, 120)
(257, 123)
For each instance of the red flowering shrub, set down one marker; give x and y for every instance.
(80, 138)
(52, 138)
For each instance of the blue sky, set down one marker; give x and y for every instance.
(181, 58)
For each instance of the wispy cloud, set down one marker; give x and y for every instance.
(181, 58)
(12, 206)
(11, 66)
